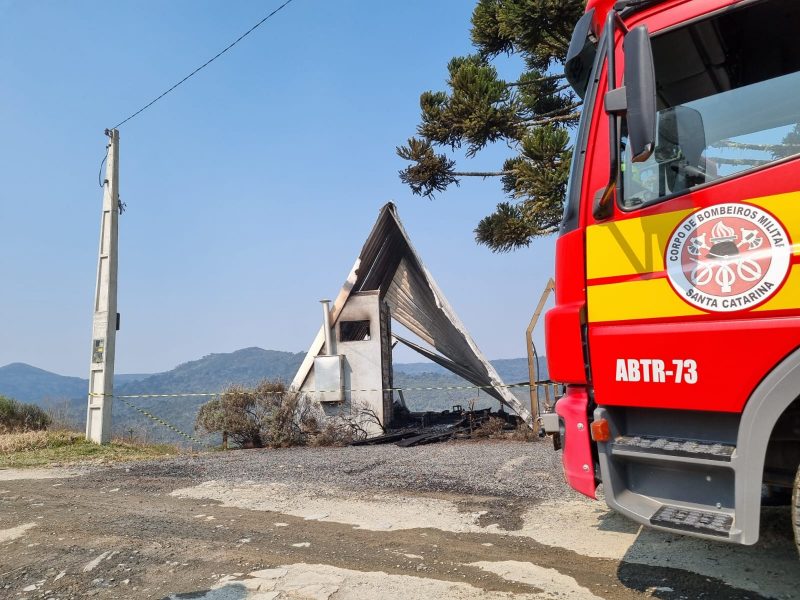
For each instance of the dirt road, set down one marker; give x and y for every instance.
(304, 524)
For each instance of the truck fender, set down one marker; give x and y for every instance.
(764, 407)
(573, 409)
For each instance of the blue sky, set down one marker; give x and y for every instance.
(250, 189)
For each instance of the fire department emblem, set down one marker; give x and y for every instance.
(728, 257)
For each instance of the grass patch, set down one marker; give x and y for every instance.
(41, 448)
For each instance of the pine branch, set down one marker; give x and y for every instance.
(554, 113)
(481, 108)
(561, 88)
(559, 40)
(483, 174)
(569, 117)
(535, 81)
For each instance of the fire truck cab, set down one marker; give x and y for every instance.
(676, 326)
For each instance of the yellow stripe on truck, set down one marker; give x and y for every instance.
(786, 207)
(655, 299)
(643, 299)
(629, 247)
(789, 295)
(636, 246)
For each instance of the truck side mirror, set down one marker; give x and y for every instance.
(640, 93)
(580, 55)
(636, 101)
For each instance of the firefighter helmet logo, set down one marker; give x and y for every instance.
(728, 257)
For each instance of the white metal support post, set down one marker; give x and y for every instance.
(105, 323)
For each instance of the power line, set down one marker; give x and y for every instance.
(100, 172)
(204, 65)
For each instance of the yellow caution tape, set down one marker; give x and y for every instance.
(161, 421)
(392, 389)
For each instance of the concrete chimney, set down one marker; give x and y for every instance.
(330, 345)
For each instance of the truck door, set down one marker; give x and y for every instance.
(693, 284)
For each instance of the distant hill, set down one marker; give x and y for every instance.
(511, 370)
(121, 378)
(208, 374)
(215, 372)
(212, 373)
(29, 384)
(66, 396)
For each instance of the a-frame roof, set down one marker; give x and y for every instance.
(389, 263)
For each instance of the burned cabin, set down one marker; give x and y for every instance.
(348, 368)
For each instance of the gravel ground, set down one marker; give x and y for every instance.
(467, 520)
(484, 468)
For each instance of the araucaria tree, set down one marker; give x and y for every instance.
(532, 115)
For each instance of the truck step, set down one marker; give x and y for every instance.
(696, 521)
(674, 447)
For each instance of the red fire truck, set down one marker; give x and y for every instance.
(676, 326)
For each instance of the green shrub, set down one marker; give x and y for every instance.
(267, 415)
(336, 432)
(18, 417)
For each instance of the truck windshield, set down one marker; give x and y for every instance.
(728, 91)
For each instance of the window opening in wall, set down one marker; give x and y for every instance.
(354, 331)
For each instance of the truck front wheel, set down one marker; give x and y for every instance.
(796, 509)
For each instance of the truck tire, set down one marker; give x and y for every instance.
(796, 510)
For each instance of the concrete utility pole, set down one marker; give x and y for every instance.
(106, 318)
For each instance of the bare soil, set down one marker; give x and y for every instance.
(270, 529)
